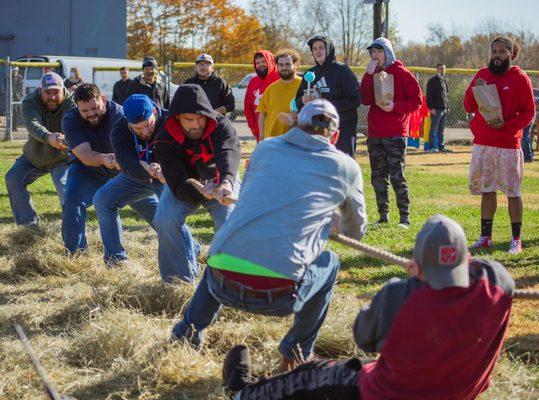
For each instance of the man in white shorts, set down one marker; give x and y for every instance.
(497, 160)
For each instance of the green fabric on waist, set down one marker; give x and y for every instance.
(230, 263)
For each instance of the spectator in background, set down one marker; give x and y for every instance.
(437, 92)
(149, 84)
(218, 91)
(336, 82)
(45, 150)
(74, 80)
(276, 99)
(388, 128)
(17, 85)
(266, 74)
(527, 145)
(121, 88)
(497, 160)
(87, 129)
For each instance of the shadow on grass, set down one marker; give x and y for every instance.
(125, 385)
(525, 348)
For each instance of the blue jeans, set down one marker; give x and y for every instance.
(82, 183)
(526, 143)
(22, 174)
(309, 306)
(177, 249)
(114, 195)
(437, 128)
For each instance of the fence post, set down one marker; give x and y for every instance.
(93, 75)
(169, 77)
(9, 100)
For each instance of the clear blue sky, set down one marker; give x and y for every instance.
(413, 16)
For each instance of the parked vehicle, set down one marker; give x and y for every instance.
(104, 79)
(238, 90)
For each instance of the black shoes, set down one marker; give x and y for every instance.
(237, 369)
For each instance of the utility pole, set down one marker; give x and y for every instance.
(380, 25)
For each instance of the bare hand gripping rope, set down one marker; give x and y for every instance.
(380, 254)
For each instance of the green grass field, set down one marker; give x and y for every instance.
(104, 334)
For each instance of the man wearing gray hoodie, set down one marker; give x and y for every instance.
(45, 151)
(388, 125)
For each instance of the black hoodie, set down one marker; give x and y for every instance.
(336, 82)
(216, 155)
(217, 90)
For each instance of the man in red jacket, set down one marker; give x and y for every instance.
(497, 160)
(439, 333)
(266, 74)
(388, 128)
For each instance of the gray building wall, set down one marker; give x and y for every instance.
(95, 28)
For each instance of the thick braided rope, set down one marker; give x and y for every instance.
(380, 254)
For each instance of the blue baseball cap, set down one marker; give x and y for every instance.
(138, 108)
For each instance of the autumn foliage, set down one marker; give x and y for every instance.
(177, 30)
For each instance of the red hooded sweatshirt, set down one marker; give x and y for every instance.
(256, 88)
(518, 108)
(407, 99)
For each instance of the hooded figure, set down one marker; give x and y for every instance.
(335, 82)
(215, 155)
(255, 89)
(388, 128)
(196, 142)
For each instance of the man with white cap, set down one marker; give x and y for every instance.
(216, 88)
(268, 257)
(45, 151)
(439, 333)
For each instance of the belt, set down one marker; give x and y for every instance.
(247, 292)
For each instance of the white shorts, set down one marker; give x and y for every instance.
(494, 168)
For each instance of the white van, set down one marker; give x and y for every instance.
(104, 79)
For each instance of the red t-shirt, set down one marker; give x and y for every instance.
(438, 347)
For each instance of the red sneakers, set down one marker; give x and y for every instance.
(484, 242)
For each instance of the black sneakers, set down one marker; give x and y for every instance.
(237, 369)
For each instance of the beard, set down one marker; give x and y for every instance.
(262, 72)
(500, 68)
(96, 121)
(286, 75)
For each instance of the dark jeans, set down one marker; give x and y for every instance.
(386, 156)
(82, 183)
(437, 128)
(526, 143)
(317, 380)
(347, 140)
(113, 196)
(24, 173)
(309, 305)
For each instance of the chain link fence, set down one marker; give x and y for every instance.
(23, 78)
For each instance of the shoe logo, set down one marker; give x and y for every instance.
(447, 255)
(322, 85)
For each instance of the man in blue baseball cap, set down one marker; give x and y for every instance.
(140, 182)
